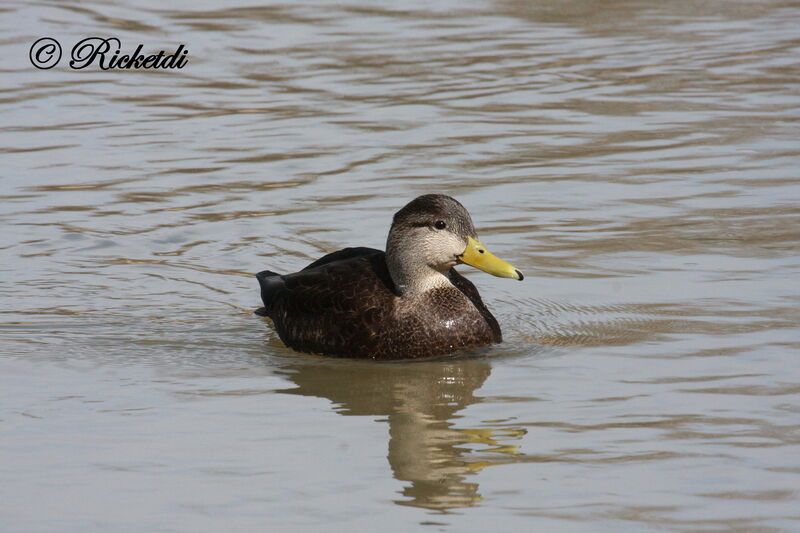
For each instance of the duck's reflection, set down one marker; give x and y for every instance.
(420, 401)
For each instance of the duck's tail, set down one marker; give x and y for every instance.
(270, 283)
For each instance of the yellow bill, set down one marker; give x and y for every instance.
(478, 256)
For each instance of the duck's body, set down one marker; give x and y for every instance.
(362, 302)
(346, 305)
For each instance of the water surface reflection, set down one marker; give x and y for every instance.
(421, 402)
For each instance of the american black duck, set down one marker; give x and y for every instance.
(405, 303)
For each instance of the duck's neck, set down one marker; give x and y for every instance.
(410, 273)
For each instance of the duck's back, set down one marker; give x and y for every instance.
(345, 304)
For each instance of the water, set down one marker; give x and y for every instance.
(636, 160)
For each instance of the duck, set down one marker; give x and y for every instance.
(408, 302)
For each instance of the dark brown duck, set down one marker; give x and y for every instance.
(406, 303)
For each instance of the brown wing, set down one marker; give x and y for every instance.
(334, 306)
(344, 254)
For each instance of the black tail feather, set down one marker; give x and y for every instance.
(269, 282)
(264, 274)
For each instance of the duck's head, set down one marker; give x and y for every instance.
(428, 237)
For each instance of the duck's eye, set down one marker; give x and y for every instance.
(440, 224)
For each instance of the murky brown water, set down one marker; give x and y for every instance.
(637, 160)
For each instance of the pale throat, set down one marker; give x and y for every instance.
(421, 284)
(412, 276)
